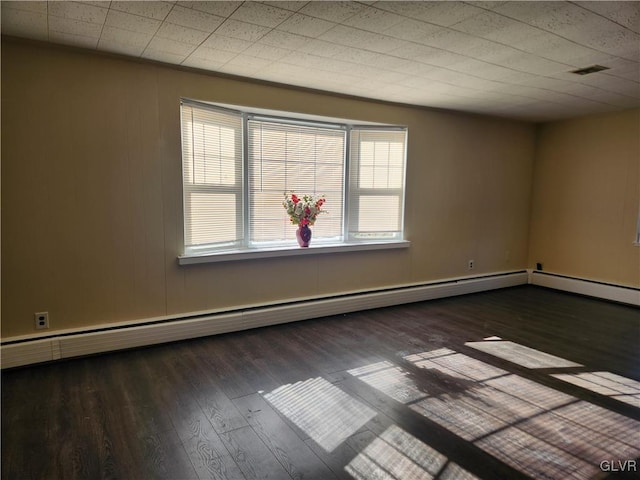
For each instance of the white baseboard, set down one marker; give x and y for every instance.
(591, 288)
(27, 351)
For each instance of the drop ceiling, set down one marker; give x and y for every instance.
(509, 59)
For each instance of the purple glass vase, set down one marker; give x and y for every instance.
(303, 234)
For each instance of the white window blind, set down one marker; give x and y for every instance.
(212, 177)
(376, 184)
(286, 157)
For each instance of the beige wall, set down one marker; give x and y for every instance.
(91, 195)
(586, 198)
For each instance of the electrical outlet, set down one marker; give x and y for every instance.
(42, 320)
(470, 264)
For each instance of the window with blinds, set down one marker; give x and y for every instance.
(212, 177)
(288, 157)
(376, 188)
(238, 165)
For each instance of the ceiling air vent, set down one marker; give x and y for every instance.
(588, 70)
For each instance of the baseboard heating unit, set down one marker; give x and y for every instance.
(591, 288)
(74, 343)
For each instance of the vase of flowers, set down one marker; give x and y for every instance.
(303, 212)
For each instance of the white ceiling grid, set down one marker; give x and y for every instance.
(510, 59)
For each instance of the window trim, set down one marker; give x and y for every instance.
(191, 255)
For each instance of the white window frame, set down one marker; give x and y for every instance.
(243, 249)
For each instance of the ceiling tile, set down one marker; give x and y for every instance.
(487, 5)
(553, 47)
(322, 48)
(181, 34)
(306, 25)
(353, 37)
(500, 58)
(98, 3)
(439, 13)
(259, 14)
(290, 41)
(310, 61)
(576, 24)
(162, 56)
(333, 11)
(293, 5)
(481, 69)
(154, 10)
(117, 36)
(195, 19)
(623, 68)
(613, 84)
(123, 41)
(358, 56)
(34, 7)
(428, 55)
(135, 23)
(222, 9)
(23, 23)
(412, 30)
(244, 65)
(213, 55)
(499, 28)
(373, 20)
(169, 46)
(626, 14)
(74, 27)
(202, 63)
(266, 51)
(226, 43)
(78, 11)
(73, 39)
(242, 30)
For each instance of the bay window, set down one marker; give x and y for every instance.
(237, 165)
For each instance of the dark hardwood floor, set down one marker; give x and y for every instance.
(518, 383)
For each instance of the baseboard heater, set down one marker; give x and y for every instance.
(98, 340)
(591, 288)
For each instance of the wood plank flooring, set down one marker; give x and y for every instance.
(390, 394)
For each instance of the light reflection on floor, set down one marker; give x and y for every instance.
(606, 383)
(538, 430)
(323, 411)
(397, 455)
(521, 355)
(389, 379)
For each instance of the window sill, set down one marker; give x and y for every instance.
(233, 255)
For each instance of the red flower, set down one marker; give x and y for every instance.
(294, 199)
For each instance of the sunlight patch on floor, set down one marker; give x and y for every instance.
(323, 411)
(605, 383)
(397, 455)
(535, 429)
(521, 355)
(391, 380)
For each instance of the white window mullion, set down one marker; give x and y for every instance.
(246, 218)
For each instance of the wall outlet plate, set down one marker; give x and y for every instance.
(42, 320)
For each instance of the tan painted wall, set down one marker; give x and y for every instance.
(586, 198)
(91, 195)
